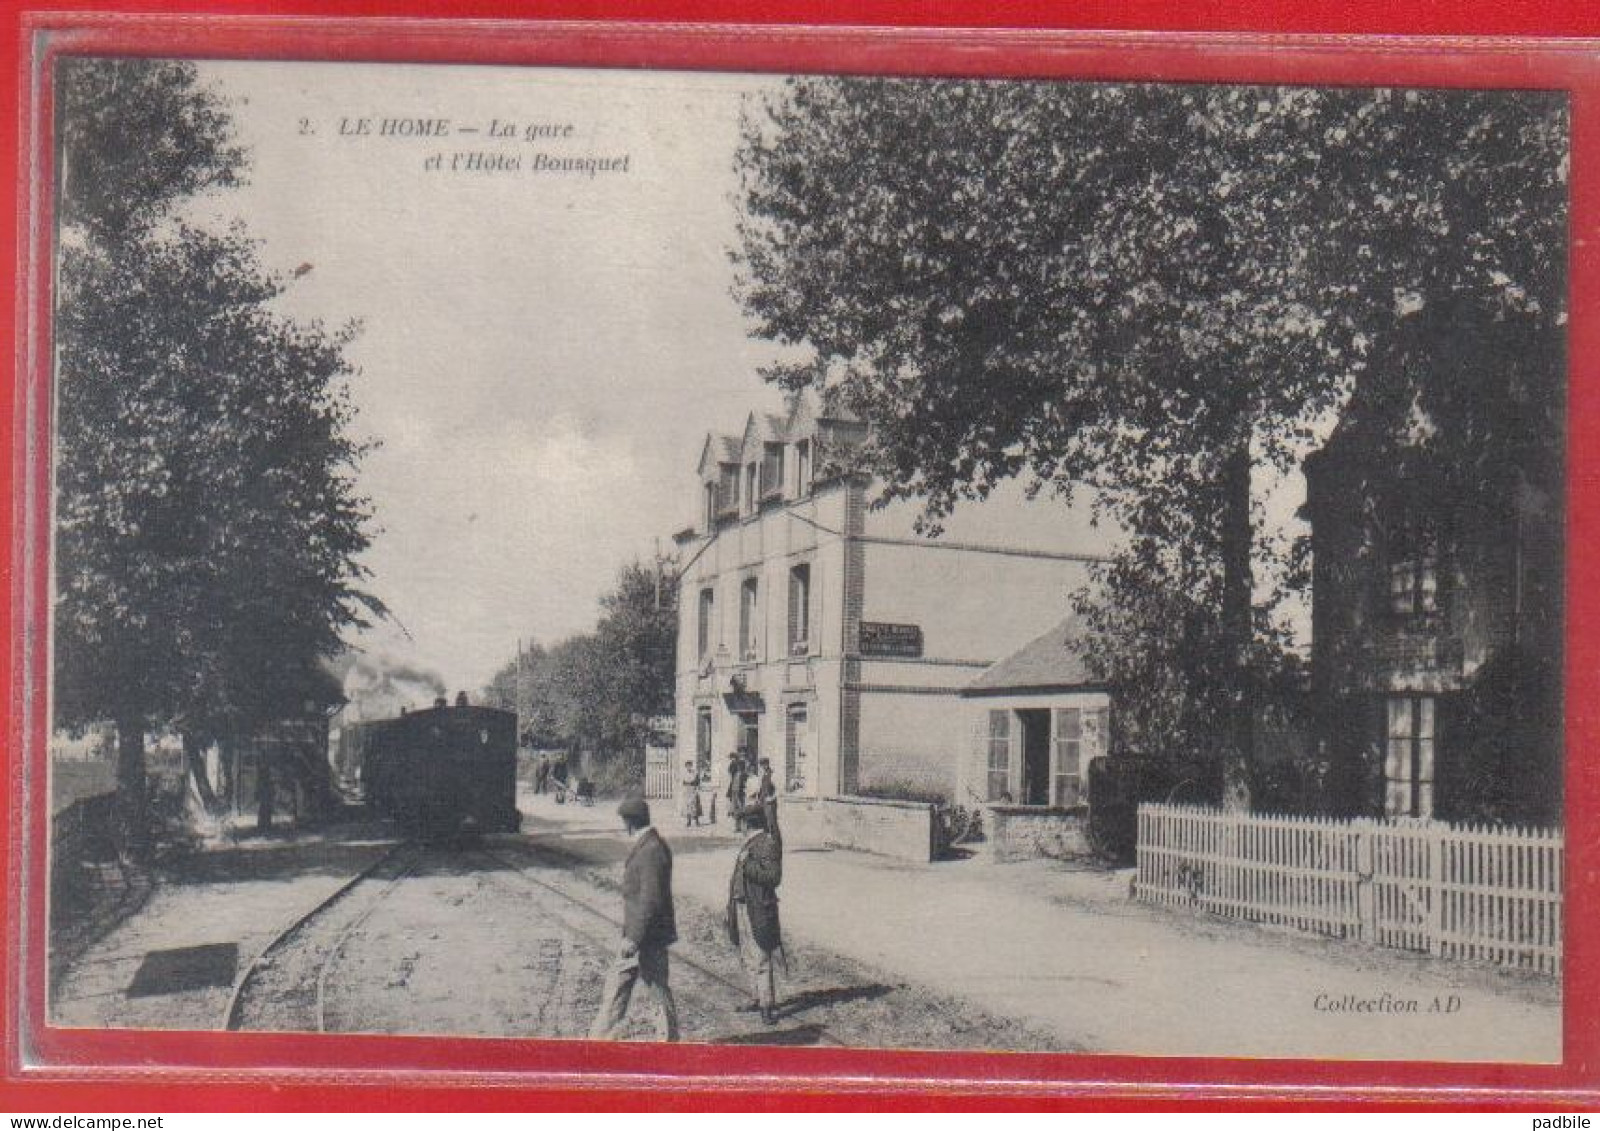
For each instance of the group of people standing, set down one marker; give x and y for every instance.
(750, 785)
(649, 922)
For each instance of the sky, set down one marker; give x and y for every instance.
(541, 352)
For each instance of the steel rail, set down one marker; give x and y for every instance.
(233, 1016)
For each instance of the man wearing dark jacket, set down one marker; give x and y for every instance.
(736, 789)
(648, 929)
(767, 789)
(752, 917)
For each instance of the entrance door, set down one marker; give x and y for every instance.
(750, 735)
(1035, 757)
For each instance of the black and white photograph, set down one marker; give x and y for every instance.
(807, 560)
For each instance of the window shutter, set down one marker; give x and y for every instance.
(1014, 758)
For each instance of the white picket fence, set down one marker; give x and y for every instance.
(658, 776)
(1481, 893)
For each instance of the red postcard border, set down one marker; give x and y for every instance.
(234, 1070)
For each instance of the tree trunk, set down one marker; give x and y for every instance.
(1238, 750)
(132, 807)
(194, 755)
(229, 764)
(264, 789)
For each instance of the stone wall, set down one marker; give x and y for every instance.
(1022, 832)
(901, 829)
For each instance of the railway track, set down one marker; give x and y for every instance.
(275, 992)
(603, 930)
(294, 983)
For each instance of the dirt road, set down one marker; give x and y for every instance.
(1067, 953)
(502, 938)
(495, 938)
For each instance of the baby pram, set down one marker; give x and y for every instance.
(581, 794)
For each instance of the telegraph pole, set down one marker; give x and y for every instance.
(521, 693)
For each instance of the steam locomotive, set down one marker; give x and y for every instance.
(436, 771)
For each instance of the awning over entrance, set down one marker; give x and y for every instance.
(744, 703)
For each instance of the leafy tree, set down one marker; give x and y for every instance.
(636, 640)
(597, 691)
(501, 692)
(207, 521)
(137, 137)
(1142, 289)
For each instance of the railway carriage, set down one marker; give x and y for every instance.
(440, 770)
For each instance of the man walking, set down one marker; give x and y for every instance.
(752, 916)
(648, 929)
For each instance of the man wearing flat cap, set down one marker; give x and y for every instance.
(648, 929)
(752, 916)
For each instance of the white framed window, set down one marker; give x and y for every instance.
(1409, 757)
(802, 468)
(999, 761)
(750, 470)
(800, 609)
(796, 766)
(711, 505)
(749, 618)
(708, 607)
(1066, 784)
(1414, 571)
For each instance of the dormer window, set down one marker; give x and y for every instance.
(750, 488)
(710, 505)
(728, 490)
(771, 470)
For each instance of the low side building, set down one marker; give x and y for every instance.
(1036, 720)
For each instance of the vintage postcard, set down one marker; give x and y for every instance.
(563, 553)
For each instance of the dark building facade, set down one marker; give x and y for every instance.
(1437, 620)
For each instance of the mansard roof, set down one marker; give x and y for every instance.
(803, 417)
